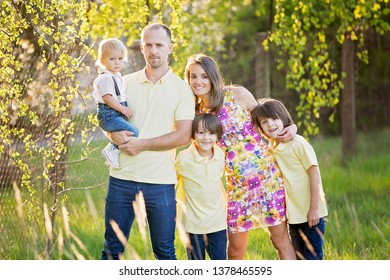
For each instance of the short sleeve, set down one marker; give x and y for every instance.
(305, 153)
(186, 106)
(105, 85)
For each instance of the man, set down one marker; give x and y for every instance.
(163, 106)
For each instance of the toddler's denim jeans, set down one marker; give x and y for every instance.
(111, 120)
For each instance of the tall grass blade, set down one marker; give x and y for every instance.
(379, 231)
(140, 214)
(307, 242)
(76, 252)
(48, 225)
(80, 244)
(66, 220)
(60, 244)
(122, 238)
(19, 202)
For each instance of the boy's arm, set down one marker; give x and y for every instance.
(315, 186)
(114, 104)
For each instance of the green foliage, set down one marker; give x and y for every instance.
(42, 55)
(305, 32)
(125, 19)
(40, 58)
(46, 46)
(227, 31)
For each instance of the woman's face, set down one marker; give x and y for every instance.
(199, 80)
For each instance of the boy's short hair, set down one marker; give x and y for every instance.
(210, 123)
(108, 46)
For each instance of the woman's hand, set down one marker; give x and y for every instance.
(288, 133)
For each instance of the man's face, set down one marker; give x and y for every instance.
(156, 47)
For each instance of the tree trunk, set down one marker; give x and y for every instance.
(262, 72)
(348, 115)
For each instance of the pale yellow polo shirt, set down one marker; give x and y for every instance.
(156, 107)
(201, 188)
(294, 158)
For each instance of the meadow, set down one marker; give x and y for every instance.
(357, 193)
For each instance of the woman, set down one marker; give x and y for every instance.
(256, 195)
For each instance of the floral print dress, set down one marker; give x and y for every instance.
(255, 188)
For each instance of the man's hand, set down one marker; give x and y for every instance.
(120, 137)
(133, 146)
(127, 143)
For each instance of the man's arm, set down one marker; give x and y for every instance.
(180, 137)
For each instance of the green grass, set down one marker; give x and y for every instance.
(358, 226)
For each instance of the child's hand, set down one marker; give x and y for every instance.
(127, 112)
(313, 217)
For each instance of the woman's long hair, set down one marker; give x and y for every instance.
(216, 79)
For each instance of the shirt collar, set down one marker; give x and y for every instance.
(163, 79)
(283, 146)
(199, 158)
(102, 70)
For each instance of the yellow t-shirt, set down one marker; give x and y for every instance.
(156, 107)
(201, 190)
(294, 158)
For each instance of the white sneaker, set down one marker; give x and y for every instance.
(112, 155)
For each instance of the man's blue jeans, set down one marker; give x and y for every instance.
(314, 235)
(161, 214)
